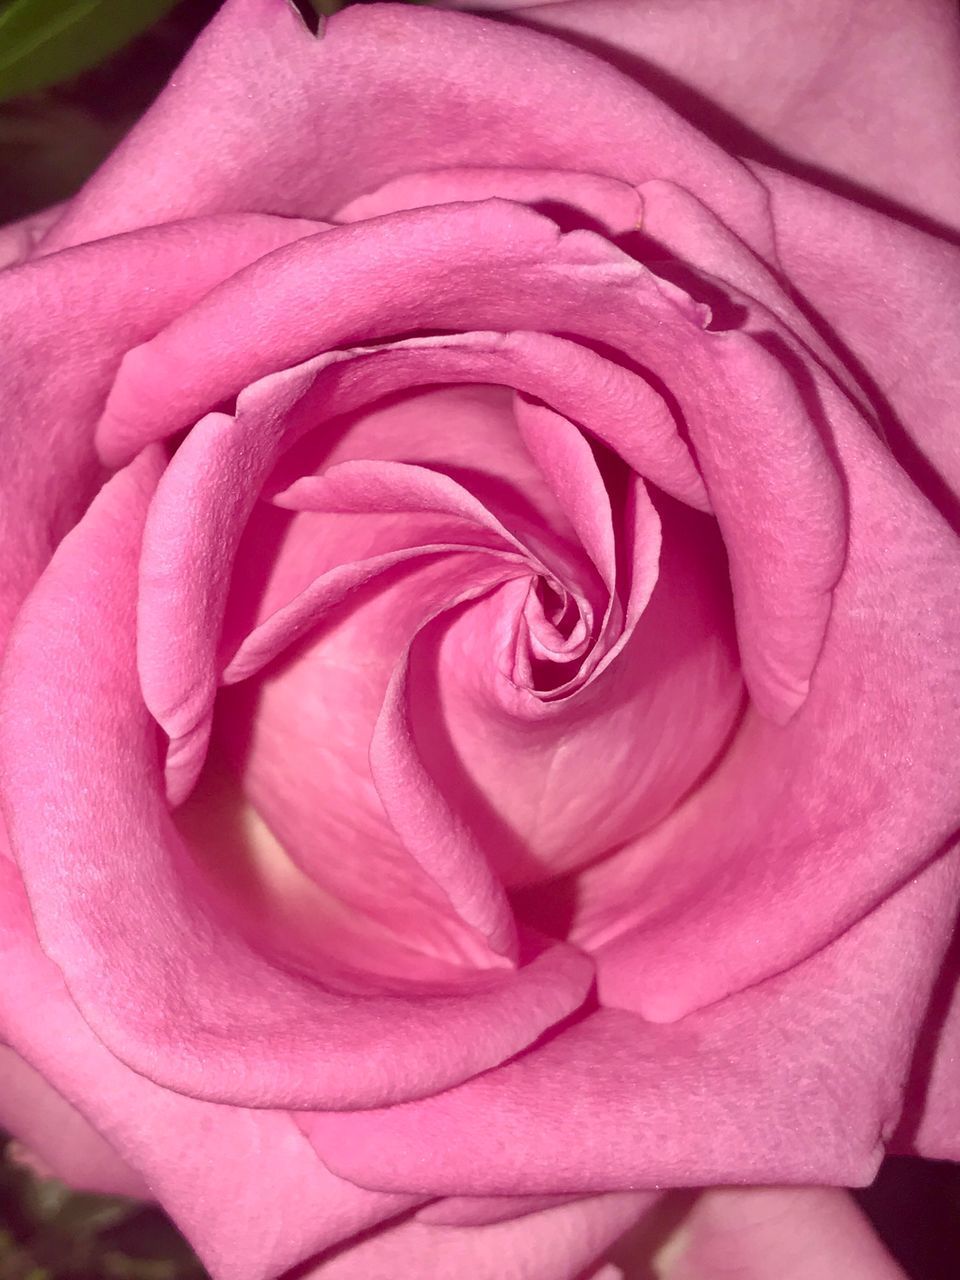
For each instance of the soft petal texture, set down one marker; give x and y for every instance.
(500, 265)
(67, 321)
(196, 1157)
(866, 94)
(554, 1244)
(804, 1233)
(614, 1101)
(196, 1007)
(56, 1133)
(344, 119)
(850, 264)
(819, 802)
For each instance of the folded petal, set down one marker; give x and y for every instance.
(173, 989)
(68, 320)
(554, 1244)
(454, 91)
(865, 96)
(796, 1080)
(195, 1157)
(852, 264)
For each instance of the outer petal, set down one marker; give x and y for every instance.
(195, 1157)
(172, 989)
(348, 116)
(890, 295)
(870, 94)
(52, 1129)
(67, 321)
(798, 1079)
(554, 1244)
(808, 1233)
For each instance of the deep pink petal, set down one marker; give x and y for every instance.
(796, 1080)
(174, 991)
(454, 91)
(804, 1233)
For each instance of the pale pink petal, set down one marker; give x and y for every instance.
(174, 991)
(796, 1080)
(554, 1244)
(195, 1157)
(52, 1130)
(863, 94)
(803, 1233)
(344, 119)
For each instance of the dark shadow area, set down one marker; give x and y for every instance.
(914, 1206)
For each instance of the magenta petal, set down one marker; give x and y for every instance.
(795, 1080)
(226, 1024)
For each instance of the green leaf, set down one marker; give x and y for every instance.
(45, 41)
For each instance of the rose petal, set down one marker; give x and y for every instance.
(851, 263)
(554, 1244)
(173, 992)
(805, 1233)
(67, 321)
(795, 1080)
(616, 206)
(454, 91)
(65, 1142)
(804, 86)
(195, 1156)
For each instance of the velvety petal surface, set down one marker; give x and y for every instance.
(344, 119)
(56, 1135)
(799, 1079)
(195, 1157)
(196, 1007)
(864, 95)
(67, 321)
(554, 1244)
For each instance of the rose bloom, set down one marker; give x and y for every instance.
(479, 718)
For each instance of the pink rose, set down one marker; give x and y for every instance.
(479, 725)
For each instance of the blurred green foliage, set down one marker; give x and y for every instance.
(48, 1232)
(43, 42)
